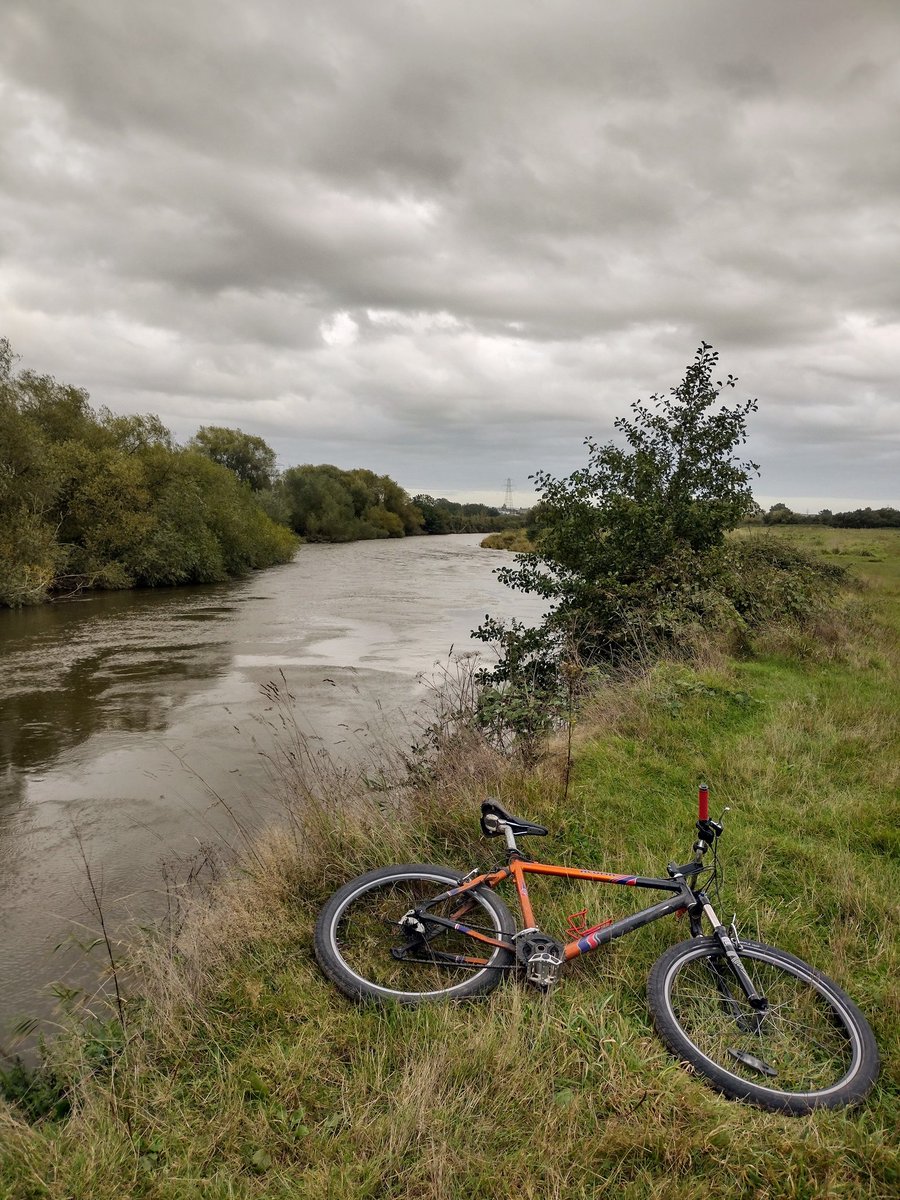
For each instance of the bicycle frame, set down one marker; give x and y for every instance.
(682, 898)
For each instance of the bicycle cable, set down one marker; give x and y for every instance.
(715, 880)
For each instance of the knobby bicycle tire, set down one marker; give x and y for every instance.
(358, 929)
(812, 1049)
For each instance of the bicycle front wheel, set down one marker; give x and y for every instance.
(811, 1048)
(362, 947)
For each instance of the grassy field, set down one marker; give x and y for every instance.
(245, 1074)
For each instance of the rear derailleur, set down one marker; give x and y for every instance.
(541, 957)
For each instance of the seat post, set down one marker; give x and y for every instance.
(510, 837)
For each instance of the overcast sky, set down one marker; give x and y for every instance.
(447, 239)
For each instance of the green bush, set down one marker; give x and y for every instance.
(627, 547)
(766, 580)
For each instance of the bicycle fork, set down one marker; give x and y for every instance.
(724, 937)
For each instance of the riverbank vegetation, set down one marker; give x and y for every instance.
(516, 541)
(89, 499)
(325, 504)
(94, 500)
(240, 1072)
(448, 516)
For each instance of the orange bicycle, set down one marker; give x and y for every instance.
(759, 1024)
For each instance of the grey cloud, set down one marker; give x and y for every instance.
(193, 195)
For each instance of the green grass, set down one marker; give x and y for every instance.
(245, 1074)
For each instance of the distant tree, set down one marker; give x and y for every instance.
(434, 516)
(330, 505)
(248, 456)
(448, 516)
(392, 497)
(321, 504)
(276, 503)
(779, 514)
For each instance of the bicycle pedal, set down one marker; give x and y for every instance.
(542, 969)
(541, 956)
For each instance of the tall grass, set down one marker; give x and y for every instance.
(245, 1074)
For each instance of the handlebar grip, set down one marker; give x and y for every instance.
(703, 803)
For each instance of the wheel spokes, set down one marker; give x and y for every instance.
(796, 1040)
(374, 943)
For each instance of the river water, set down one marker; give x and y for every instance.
(123, 715)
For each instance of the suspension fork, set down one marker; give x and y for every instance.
(757, 1002)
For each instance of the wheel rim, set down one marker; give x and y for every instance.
(806, 1044)
(365, 930)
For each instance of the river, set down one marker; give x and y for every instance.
(124, 714)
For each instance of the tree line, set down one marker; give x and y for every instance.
(859, 518)
(90, 499)
(447, 516)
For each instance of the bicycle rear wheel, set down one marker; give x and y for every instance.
(362, 948)
(811, 1049)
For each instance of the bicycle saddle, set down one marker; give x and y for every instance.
(520, 828)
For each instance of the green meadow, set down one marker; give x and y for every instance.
(242, 1073)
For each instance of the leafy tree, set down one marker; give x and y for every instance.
(387, 495)
(276, 503)
(136, 432)
(322, 506)
(779, 514)
(29, 552)
(632, 537)
(331, 505)
(434, 514)
(248, 456)
(62, 413)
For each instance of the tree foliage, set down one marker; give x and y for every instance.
(632, 558)
(633, 535)
(91, 499)
(251, 458)
(327, 504)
